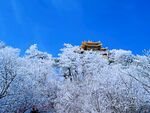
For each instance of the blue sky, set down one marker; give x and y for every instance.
(118, 24)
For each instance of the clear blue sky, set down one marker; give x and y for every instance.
(118, 24)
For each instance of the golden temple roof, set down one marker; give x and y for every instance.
(97, 46)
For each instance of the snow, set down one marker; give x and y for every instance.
(75, 82)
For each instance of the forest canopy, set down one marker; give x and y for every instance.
(74, 82)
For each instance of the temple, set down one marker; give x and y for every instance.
(95, 46)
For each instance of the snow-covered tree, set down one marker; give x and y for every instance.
(74, 63)
(92, 83)
(32, 80)
(106, 88)
(9, 64)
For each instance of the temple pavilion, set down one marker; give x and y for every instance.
(95, 46)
